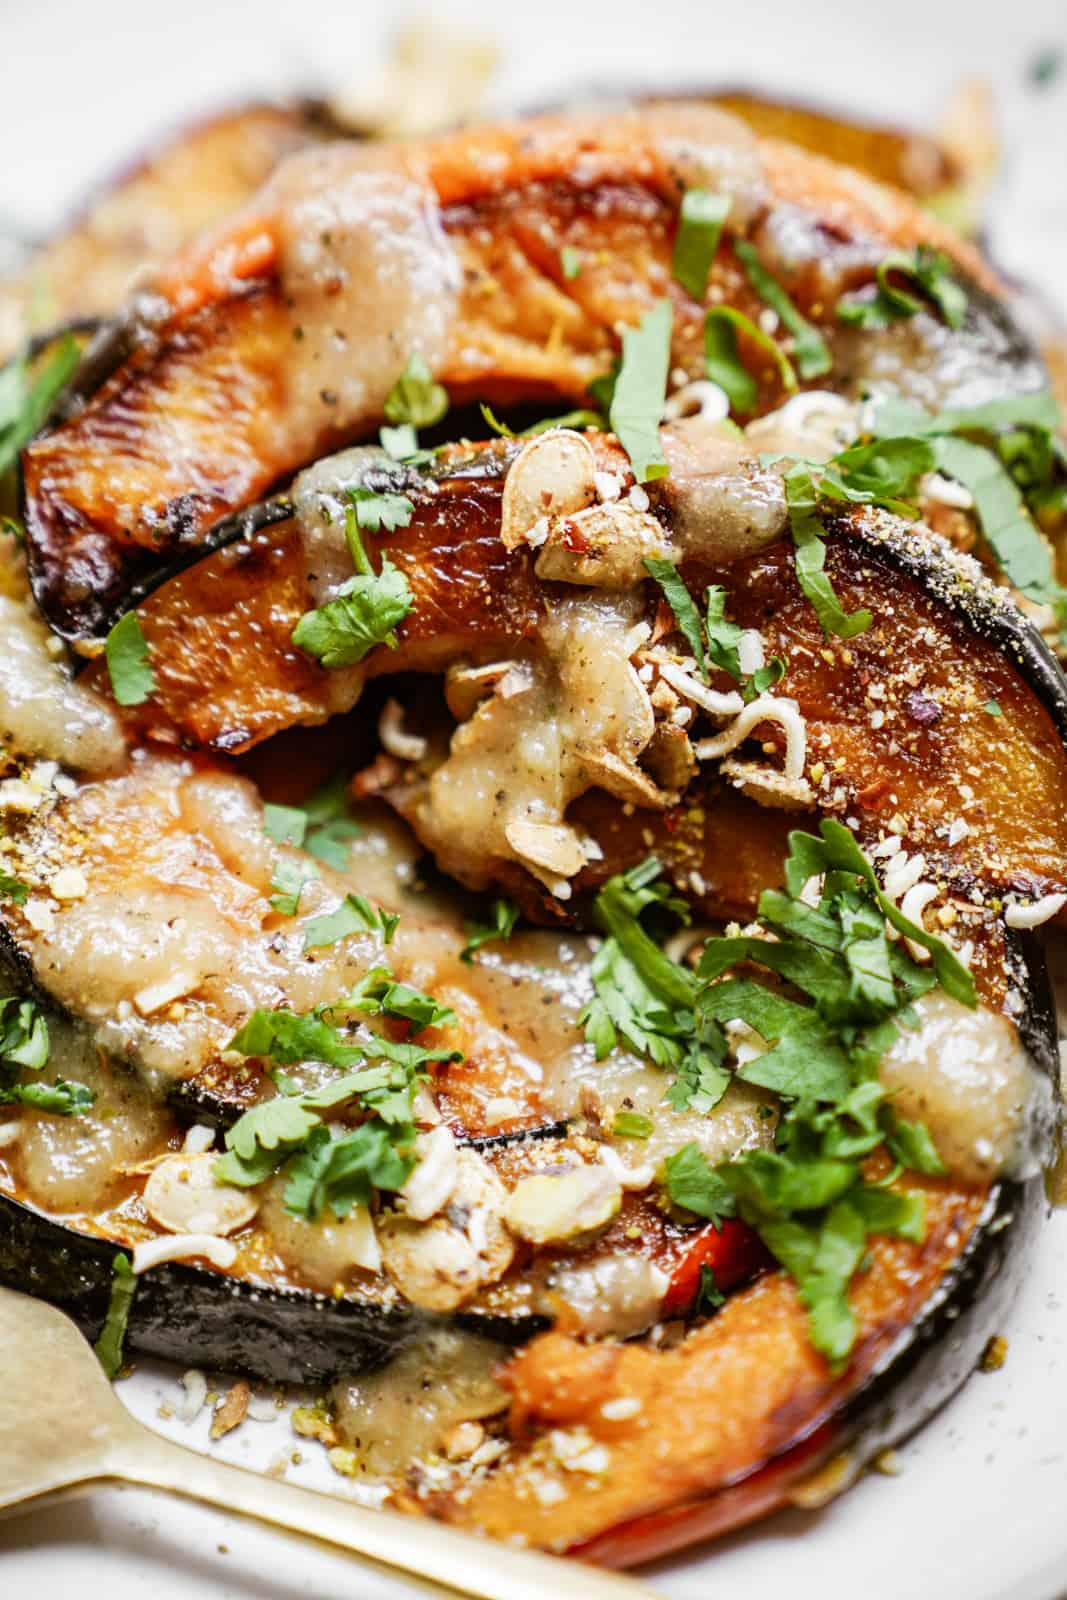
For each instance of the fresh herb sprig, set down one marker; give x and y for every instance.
(322, 825)
(25, 1047)
(645, 1000)
(640, 389)
(368, 607)
(809, 1198)
(928, 273)
(325, 1163)
(1009, 455)
(713, 639)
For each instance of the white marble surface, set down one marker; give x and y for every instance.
(977, 1512)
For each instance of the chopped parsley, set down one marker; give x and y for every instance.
(709, 1296)
(368, 607)
(811, 353)
(28, 393)
(631, 1125)
(570, 261)
(288, 880)
(715, 640)
(378, 993)
(128, 664)
(808, 1198)
(355, 914)
(645, 1000)
(322, 826)
(503, 917)
(415, 398)
(640, 390)
(24, 1047)
(328, 1163)
(682, 606)
(109, 1346)
(13, 889)
(927, 271)
(700, 221)
(1007, 454)
(992, 708)
(808, 537)
(722, 360)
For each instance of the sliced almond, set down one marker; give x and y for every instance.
(553, 475)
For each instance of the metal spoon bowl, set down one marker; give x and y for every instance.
(62, 1425)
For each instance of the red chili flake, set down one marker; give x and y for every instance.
(922, 708)
(573, 538)
(870, 798)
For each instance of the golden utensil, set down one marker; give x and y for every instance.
(62, 1425)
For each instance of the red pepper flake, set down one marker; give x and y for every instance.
(870, 797)
(573, 539)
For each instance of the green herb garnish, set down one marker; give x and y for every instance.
(700, 221)
(811, 353)
(928, 271)
(415, 398)
(809, 539)
(322, 826)
(28, 393)
(631, 1125)
(109, 1346)
(128, 664)
(722, 360)
(503, 917)
(640, 390)
(570, 261)
(355, 914)
(24, 1047)
(368, 607)
(288, 880)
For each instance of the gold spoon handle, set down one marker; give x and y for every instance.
(413, 1545)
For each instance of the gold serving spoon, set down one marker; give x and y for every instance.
(62, 1425)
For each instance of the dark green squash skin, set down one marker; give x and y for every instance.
(198, 1317)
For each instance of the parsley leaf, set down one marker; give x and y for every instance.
(368, 607)
(808, 537)
(504, 917)
(109, 1345)
(700, 221)
(1024, 556)
(724, 637)
(680, 601)
(27, 395)
(722, 359)
(355, 914)
(25, 1046)
(570, 261)
(343, 1169)
(930, 273)
(810, 350)
(399, 443)
(631, 1125)
(322, 826)
(807, 1197)
(13, 889)
(288, 879)
(640, 391)
(880, 472)
(709, 1296)
(130, 671)
(415, 397)
(693, 1185)
(378, 992)
(644, 998)
(285, 824)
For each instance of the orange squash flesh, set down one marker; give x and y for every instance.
(195, 424)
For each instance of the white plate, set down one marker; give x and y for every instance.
(977, 1510)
